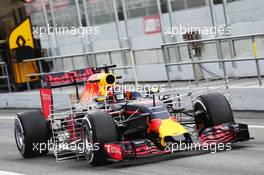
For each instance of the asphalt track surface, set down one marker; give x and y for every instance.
(245, 158)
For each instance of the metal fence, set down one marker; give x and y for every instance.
(4, 75)
(166, 50)
(90, 59)
(128, 59)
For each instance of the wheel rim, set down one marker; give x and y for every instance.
(199, 105)
(19, 135)
(88, 142)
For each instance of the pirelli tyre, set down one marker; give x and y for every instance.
(98, 128)
(31, 134)
(212, 109)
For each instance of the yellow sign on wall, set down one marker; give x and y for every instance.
(22, 36)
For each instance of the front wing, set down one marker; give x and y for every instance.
(136, 149)
(225, 133)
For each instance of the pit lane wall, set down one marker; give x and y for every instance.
(243, 99)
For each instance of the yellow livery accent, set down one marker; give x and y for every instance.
(169, 127)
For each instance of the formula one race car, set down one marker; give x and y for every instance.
(110, 123)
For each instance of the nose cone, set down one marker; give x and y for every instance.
(168, 127)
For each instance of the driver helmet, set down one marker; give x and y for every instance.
(99, 102)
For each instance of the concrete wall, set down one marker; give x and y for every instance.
(242, 98)
(247, 98)
(29, 99)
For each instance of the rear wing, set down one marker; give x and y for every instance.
(61, 79)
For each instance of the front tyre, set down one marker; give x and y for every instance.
(212, 109)
(31, 134)
(98, 128)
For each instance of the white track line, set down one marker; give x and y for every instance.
(256, 126)
(9, 173)
(7, 118)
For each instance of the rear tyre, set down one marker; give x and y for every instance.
(31, 134)
(212, 109)
(98, 128)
